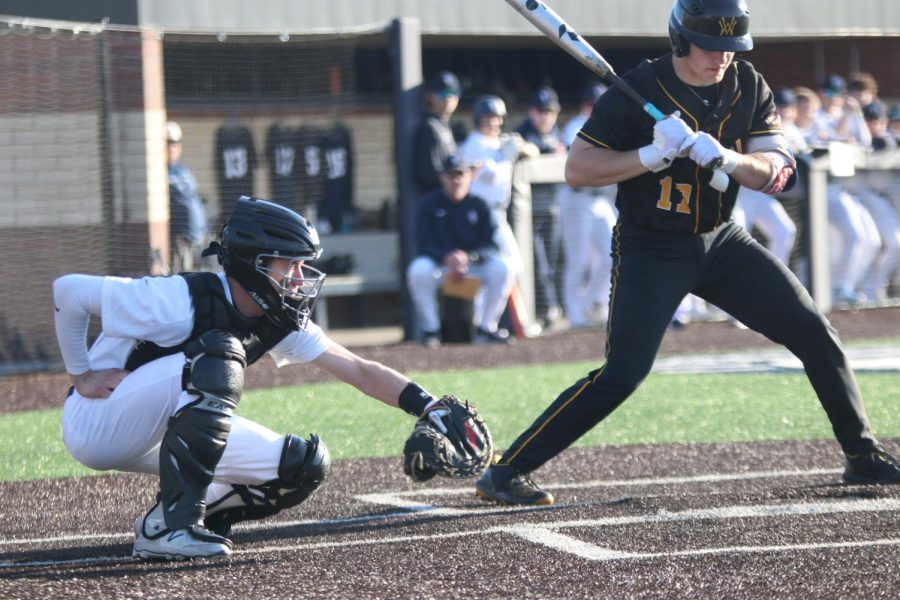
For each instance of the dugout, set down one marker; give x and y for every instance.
(89, 85)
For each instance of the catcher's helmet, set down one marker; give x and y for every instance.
(486, 106)
(710, 24)
(257, 232)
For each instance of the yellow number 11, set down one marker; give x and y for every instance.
(665, 197)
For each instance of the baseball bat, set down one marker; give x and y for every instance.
(554, 27)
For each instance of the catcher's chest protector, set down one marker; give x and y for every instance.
(213, 311)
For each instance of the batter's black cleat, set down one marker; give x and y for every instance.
(505, 485)
(872, 467)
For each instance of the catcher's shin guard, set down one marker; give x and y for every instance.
(195, 439)
(302, 468)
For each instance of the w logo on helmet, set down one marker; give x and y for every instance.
(727, 25)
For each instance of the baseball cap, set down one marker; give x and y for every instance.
(444, 83)
(874, 110)
(173, 132)
(456, 164)
(544, 98)
(784, 97)
(592, 93)
(833, 85)
(894, 112)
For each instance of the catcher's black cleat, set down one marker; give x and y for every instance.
(504, 485)
(872, 467)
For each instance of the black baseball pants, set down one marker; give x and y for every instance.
(652, 273)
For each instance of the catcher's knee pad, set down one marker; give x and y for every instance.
(302, 468)
(195, 439)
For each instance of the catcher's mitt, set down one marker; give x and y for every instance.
(450, 439)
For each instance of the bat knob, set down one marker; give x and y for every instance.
(719, 180)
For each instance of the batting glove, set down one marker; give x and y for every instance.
(706, 151)
(668, 137)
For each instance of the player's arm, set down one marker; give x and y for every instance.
(595, 166)
(767, 165)
(591, 163)
(374, 379)
(75, 299)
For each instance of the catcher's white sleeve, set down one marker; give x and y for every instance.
(75, 299)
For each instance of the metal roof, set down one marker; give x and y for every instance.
(615, 18)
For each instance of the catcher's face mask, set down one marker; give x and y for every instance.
(296, 284)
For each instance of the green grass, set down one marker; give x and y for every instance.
(667, 408)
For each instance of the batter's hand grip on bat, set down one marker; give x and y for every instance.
(555, 27)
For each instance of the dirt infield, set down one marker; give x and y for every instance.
(699, 521)
(675, 521)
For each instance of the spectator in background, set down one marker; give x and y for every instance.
(497, 153)
(188, 226)
(755, 209)
(874, 190)
(841, 114)
(586, 218)
(863, 88)
(876, 116)
(815, 132)
(433, 141)
(894, 121)
(455, 233)
(786, 106)
(540, 128)
(857, 242)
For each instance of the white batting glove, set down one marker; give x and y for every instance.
(706, 151)
(668, 137)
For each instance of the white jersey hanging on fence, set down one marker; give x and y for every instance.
(336, 204)
(235, 163)
(282, 150)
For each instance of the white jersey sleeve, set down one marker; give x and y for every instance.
(493, 181)
(155, 309)
(300, 346)
(572, 128)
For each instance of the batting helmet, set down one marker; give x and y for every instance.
(486, 106)
(710, 24)
(257, 232)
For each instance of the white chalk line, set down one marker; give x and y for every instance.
(876, 359)
(407, 507)
(545, 534)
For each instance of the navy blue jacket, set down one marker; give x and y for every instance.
(443, 226)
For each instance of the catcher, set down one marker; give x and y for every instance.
(156, 392)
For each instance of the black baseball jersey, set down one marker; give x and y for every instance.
(680, 199)
(433, 143)
(312, 168)
(235, 164)
(337, 194)
(284, 166)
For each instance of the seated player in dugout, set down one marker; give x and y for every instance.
(157, 390)
(674, 237)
